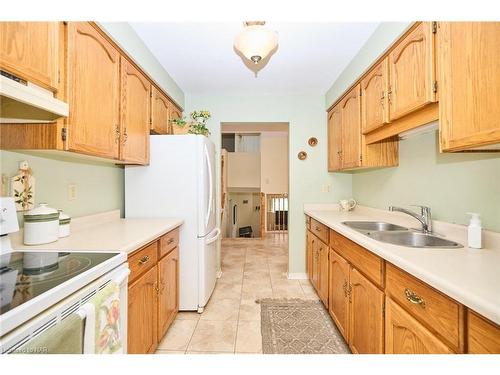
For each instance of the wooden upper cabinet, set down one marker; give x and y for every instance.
(412, 72)
(168, 297)
(142, 314)
(350, 109)
(374, 102)
(135, 92)
(30, 50)
(366, 325)
(160, 112)
(405, 335)
(334, 139)
(94, 92)
(338, 303)
(469, 84)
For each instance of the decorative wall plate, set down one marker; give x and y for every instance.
(313, 141)
(302, 155)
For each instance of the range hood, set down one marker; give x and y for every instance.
(24, 102)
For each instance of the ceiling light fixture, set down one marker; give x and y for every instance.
(255, 42)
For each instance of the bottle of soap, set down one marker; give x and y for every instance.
(474, 231)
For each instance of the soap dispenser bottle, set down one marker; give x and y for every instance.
(474, 231)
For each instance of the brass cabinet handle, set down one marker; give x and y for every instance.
(143, 260)
(125, 136)
(170, 240)
(345, 288)
(414, 298)
(157, 288)
(349, 292)
(317, 228)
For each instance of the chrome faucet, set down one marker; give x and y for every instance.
(424, 217)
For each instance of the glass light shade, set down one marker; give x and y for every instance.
(256, 42)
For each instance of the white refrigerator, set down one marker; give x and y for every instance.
(180, 182)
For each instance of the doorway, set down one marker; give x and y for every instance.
(254, 179)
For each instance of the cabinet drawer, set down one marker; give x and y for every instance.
(440, 313)
(168, 242)
(320, 230)
(368, 263)
(142, 260)
(483, 336)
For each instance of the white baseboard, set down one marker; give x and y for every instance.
(297, 276)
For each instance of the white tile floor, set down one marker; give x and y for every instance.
(251, 269)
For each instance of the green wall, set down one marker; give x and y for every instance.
(306, 117)
(99, 185)
(451, 184)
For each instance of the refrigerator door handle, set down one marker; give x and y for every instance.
(213, 237)
(211, 186)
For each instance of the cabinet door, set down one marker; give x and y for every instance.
(334, 139)
(168, 299)
(469, 81)
(160, 112)
(483, 336)
(338, 302)
(142, 313)
(323, 272)
(30, 50)
(411, 72)
(366, 323)
(351, 129)
(134, 114)
(374, 101)
(315, 264)
(94, 92)
(309, 254)
(405, 335)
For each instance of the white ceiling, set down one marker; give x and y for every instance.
(201, 59)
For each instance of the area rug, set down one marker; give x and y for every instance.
(295, 326)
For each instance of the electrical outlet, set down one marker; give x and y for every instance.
(325, 188)
(72, 192)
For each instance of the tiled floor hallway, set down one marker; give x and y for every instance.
(251, 269)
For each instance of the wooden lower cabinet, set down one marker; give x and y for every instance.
(483, 335)
(323, 272)
(168, 298)
(142, 313)
(338, 302)
(405, 335)
(319, 267)
(153, 294)
(309, 254)
(366, 317)
(379, 308)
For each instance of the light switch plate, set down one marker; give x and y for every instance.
(325, 188)
(72, 192)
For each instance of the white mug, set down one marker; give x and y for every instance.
(347, 204)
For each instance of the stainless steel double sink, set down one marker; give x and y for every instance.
(398, 235)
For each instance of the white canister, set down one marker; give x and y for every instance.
(41, 225)
(64, 222)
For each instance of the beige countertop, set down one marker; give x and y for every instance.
(470, 276)
(105, 232)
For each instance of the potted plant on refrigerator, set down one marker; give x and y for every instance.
(196, 125)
